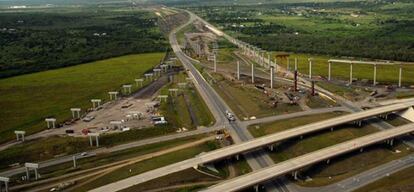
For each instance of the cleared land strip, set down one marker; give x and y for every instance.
(308, 159)
(248, 146)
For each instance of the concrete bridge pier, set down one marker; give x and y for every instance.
(271, 76)
(350, 73)
(252, 73)
(400, 76)
(237, 157)
(329, 70)
(238, 70)
(328, 161)
(295, 175)
(375, 74)
(256, 188)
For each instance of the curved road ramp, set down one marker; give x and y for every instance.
(294, 164)
(264, 141)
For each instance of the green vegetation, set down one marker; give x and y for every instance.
(364, 29)
(147, 165)
(38, 41)
(28, 99)
(186, 109)
(278, 126)
(399, 181)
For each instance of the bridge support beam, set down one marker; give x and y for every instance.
(238, 70)
(350, 73)
(296, 64)
(271, 147)
(361, 150)
(329, 71)
(237, 157)
(256, 188)
(375, 74)
(272, 69)
(252, 73)
(328, 161)
(400, 76)
(295, 175)
(332, 129)
(310, 68)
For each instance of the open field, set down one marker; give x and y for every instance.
(400, 181)
(341, 167)
(28, 99)
(150, 164)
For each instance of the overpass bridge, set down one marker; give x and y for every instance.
(251, 145)
(311, 158)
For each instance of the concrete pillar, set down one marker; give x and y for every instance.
(296, 64)
(268, 60)
(252, 73)
(400, 76)
(238, 70)
(329, 71)
(361, 150)
(256, 188)
(90, 141)
(237, 157)
(375, 74)
(74, 161)
(271, 77)
(350, 73)
(215, 63)
(392, 142)
(36, 174)
(288, 64)
(328, 161)
(310, 68)
(296, 80)
(27, 173)
(271, 147)
(295, 175)
(332, 129)
(97, 141)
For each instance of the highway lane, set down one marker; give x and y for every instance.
(308, 159)
(251, 144)
(66, 159)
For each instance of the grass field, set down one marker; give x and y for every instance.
(26, 100)
(147, 165)
(401, 181)
(341, 167)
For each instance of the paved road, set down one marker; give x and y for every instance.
(292, 115)
(308, 159)
(251, 144)
(66, 159)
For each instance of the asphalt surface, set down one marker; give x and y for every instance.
(297, 163)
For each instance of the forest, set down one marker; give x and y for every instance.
(38, 41)
(361, 29)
